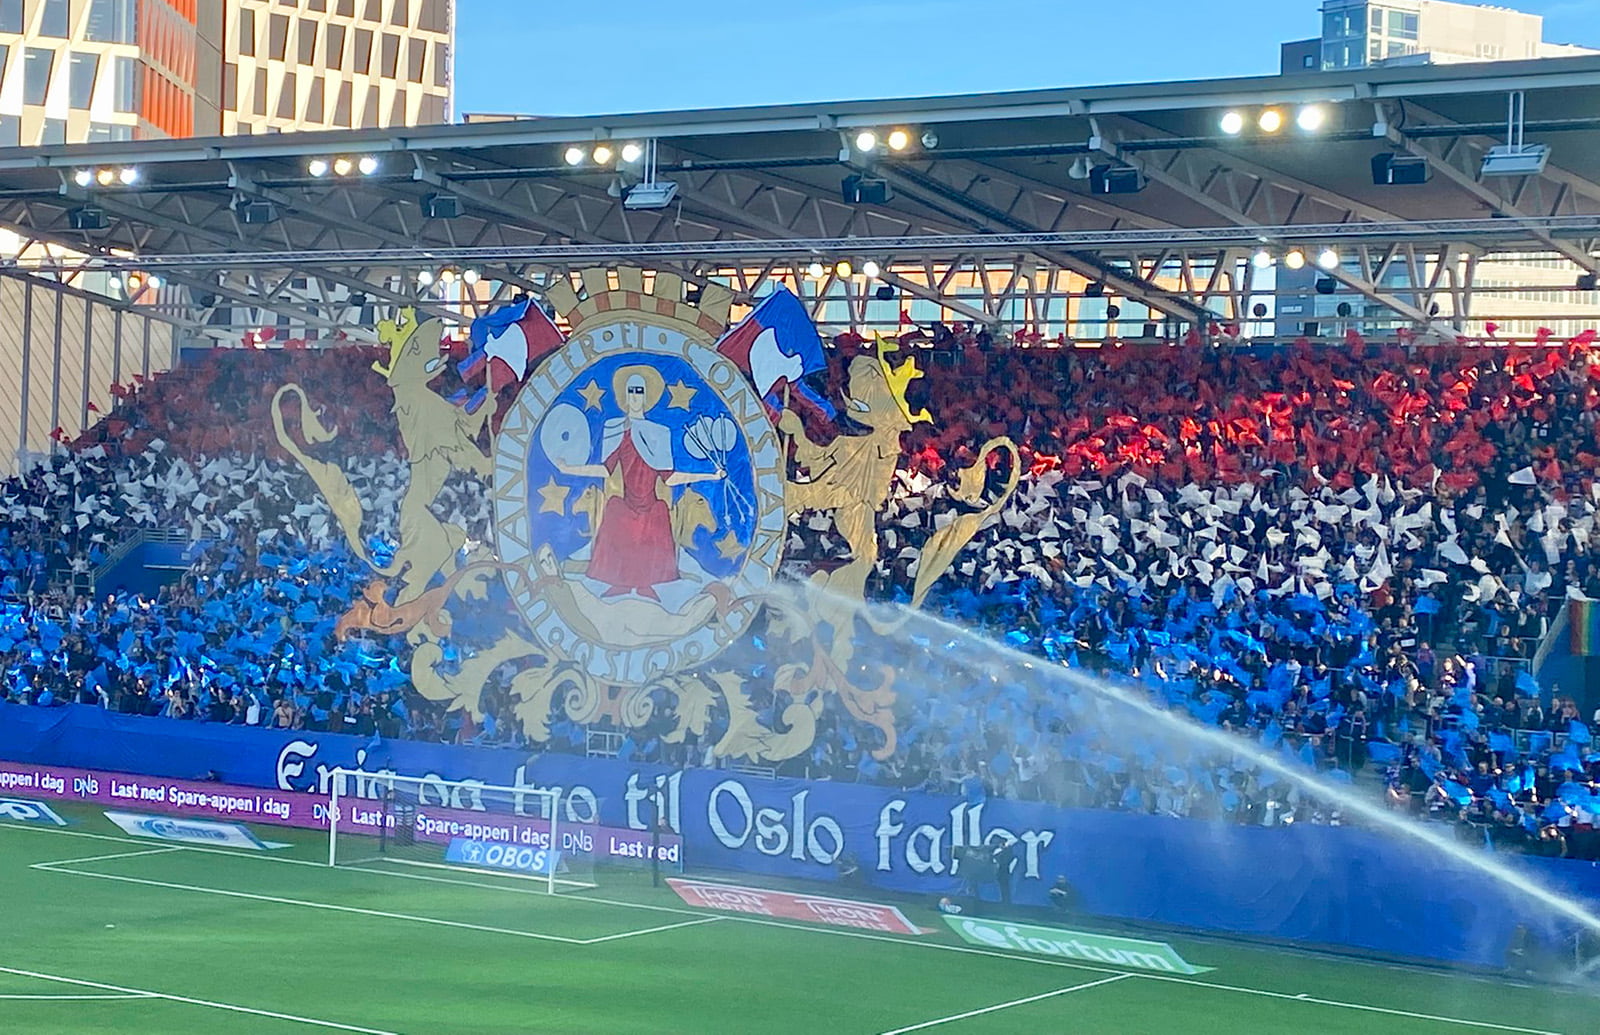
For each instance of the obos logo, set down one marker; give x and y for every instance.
(22, 810)
(640, 484)
(497, 856)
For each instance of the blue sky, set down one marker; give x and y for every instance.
(606, 56)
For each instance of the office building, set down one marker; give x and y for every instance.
(92, 70)
(1358, 33)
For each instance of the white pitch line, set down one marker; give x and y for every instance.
(102, 858)
(652, 930)
(1304, 998)
(142, 993)
(1006, 1006)
(83, 998)
(306, 904)
(835, 932)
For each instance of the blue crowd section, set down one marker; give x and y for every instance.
(1370, 890)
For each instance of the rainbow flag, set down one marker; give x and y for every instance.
(1584, 617)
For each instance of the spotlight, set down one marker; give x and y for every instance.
(816, 271)
(574, 155)
(603, 155)
(930, 139)
(317, 167)
(899, 140)
(154, 282)
(871, 269)
(632, 153)
(843, 268)
(1311, 118)
(105, 177)
(1080, 168)
(447, 275)
(133, 281)
(342, 166)
(424, 278)
(368, 165)
(83, 177)
(1233, 123)
(1328, 260)
(1262, 259)
(1270, 121)
(1295, 259)
(128, 175)
(866, 140)
(470, 276)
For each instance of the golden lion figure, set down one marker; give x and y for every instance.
(438, 437)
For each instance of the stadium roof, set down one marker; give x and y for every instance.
(760, 187)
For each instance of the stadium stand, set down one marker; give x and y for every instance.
(1349, 555)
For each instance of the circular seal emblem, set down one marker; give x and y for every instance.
(639, 483)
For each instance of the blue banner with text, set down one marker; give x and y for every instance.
(1336, 886)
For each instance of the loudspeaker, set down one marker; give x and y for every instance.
(865, 190)
(257, 212)
(1115, 179)
(441, 206)
(1397, 170)
(1327, 286)
(1311, 328)
(89, 217)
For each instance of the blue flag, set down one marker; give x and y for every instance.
(1383, 753)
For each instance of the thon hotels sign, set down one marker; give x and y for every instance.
(1072, 945)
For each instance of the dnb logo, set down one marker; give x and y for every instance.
(21, 810)
(639, 483)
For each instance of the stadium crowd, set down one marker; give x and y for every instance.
(1347, 556)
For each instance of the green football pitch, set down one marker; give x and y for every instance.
(102, 932)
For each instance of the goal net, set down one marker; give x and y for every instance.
(517, 832)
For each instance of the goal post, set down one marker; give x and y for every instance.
(535, 834)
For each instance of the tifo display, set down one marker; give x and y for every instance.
(1030, 640)
(1333, 554)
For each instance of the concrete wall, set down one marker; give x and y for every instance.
(60, 351)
